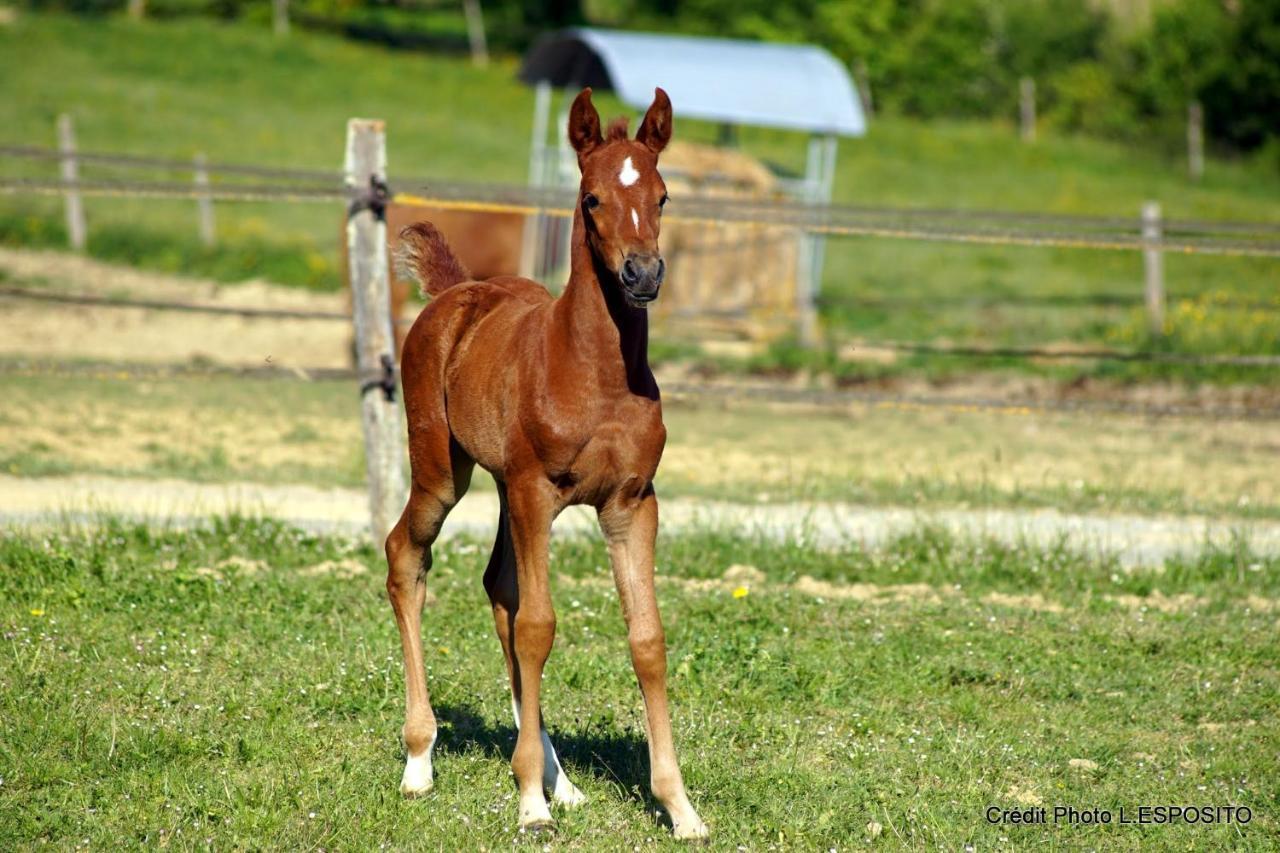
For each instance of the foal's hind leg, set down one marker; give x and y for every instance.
(434, 492)
(500, 583)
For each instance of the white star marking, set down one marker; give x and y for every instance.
(628, 175)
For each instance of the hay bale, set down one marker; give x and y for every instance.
(736, 280)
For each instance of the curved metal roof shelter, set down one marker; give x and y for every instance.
(795, 87)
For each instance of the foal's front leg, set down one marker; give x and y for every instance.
(504, 595)
(630, 526)
(533, 629)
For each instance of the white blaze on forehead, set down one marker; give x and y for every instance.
(628, 175)
(635, 219)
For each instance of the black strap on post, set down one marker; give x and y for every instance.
(375, 199)
(387, 381)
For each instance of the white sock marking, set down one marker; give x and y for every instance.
(628, 175)
(553, 775)
(417, 771)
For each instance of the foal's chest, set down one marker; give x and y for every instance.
(620, 450)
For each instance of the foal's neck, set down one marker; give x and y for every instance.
(601, 327)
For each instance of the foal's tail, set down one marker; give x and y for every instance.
(424, 256)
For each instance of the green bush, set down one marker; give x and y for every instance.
(1042, 37)
(1242, 97)
(1085, 98)
(1179, 55)
(946, 61)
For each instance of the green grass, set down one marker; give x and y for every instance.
(238, 94)
(214, 686)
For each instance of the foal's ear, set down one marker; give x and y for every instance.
(655, 130)
(584, 125)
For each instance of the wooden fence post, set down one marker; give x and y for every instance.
(475, 32)
(1027, 108)
(365, 169)
(1195, 140)
(137, 9)
(1153, 267)
(862, 77)
(535, 222)
(204, 201)
(280, 17)
(76, 231)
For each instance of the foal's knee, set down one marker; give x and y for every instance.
(535, 632)
(648, 652)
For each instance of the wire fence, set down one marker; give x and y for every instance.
(1038, 300)
(917, 347)
(237, 182)
(983, 227)
(835, 401)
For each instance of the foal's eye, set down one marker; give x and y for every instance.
(590, 202)
(662, 202)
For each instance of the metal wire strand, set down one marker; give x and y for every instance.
(814, 221)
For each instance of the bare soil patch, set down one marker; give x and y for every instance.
(54, 330)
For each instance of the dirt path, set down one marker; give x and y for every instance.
(1136, 540)
(48, 330)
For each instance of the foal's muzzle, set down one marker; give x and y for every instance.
(641, 277)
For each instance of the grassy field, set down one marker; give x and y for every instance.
(238, 94)
(241, 687)
(221, 429)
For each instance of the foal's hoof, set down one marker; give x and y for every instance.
(539, 827)
(567, 794)
(695, 832)
(417, 779)
(411, 793)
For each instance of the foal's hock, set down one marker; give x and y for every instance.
(555, 398)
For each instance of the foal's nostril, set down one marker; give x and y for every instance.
(662, 271)
(630, 273)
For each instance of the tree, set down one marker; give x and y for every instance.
(1242, 95)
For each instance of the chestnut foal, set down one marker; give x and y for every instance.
(555, 398)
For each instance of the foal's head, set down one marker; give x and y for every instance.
(622, 193)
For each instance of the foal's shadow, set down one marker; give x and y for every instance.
(613, 756)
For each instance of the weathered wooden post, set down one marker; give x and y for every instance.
(137, 9)
(280, 17)
(862, 77)
(204, 201)
(535, 222)
(365, 171)
(76, 231)
(1027, 108)
(1153, 267)
(475, 32)
(1195, 140)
